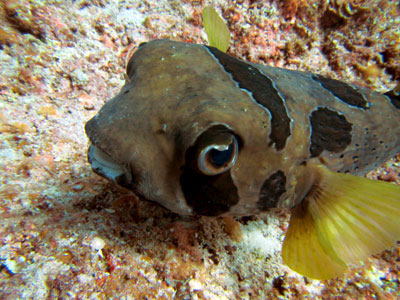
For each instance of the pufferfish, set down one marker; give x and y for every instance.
(204, 133)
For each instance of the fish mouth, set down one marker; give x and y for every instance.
(105, 166)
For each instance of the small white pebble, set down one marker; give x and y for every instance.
(83, 278)
(97, 243)
(77, 187)
(195, 285)
(11, 266)
(79, 77)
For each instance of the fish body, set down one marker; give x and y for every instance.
(204, 133)
(283, 118)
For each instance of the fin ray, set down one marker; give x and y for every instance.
(342, 220)
(302, 251)
(366, 214)
(217, 31)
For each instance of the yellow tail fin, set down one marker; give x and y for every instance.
(217, 31)
(343, 219)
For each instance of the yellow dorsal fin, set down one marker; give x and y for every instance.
(343, 219)
(217, 31)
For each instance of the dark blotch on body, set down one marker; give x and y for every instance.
(263, 92)
(272, 190)
(343, 91)
(208, 195)
(330, 131)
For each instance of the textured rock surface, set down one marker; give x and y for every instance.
(66, 233)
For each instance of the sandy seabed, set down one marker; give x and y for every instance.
(66, 233)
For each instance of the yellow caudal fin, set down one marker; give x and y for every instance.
(217, 31)
(343, 219)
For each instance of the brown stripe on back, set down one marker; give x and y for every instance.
(330, 131)
(394, 98)
(343, 91)
(263, 91)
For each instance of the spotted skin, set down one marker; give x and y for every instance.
(284, 119)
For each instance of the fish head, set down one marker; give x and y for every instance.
(182, 135)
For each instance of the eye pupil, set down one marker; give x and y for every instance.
(219, 158)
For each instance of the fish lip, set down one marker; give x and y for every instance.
(103, 165)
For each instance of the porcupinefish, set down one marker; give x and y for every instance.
(204, 133)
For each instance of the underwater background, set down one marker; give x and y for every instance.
(66, 233)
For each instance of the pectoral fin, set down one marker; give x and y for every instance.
(343, 219)
(302, 251)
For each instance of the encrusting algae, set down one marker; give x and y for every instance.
(229, 137)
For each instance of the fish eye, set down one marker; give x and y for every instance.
(218, 158)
